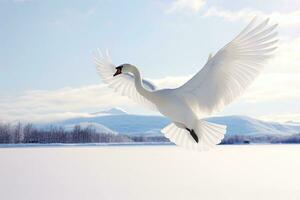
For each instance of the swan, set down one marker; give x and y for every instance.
(222, 79)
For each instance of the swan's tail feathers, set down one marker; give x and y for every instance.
(209, 134)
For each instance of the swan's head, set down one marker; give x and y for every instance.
(125, 68)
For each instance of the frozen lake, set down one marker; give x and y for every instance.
(150, 172)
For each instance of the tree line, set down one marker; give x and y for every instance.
(28, 133)
(269, 138)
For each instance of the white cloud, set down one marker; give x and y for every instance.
(43, 105)
(286, 59)
(287, 117)
(171, 81)
(49, 105)
(229, 15)
(275, 87)
(285, 19)
(288, 19)
(186, 5)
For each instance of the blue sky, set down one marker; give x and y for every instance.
(47, 50)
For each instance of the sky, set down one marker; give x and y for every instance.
(46, 56)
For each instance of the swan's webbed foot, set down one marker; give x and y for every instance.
(193, 134)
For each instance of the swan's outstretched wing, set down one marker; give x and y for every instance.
(226, 75)
(123, 83)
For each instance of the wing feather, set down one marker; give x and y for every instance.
(231, 70)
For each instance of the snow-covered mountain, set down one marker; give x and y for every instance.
(112, 111)
(123, 123)
(99, 128)
(249, 126)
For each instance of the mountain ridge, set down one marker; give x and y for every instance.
(111, 111)
(132, 124)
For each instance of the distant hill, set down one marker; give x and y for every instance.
(99, 128)
(243, 125)
(112, 111)
(121, 122)
(125, 123)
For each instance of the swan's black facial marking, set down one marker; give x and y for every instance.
(119, 70)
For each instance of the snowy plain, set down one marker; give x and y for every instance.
(150, 172)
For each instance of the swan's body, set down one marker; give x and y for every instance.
(224, 77)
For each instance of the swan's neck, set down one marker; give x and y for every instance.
(139, 84)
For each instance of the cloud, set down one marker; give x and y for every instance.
(171, 81)
(286, 59)
(277, 87)
(288, 19)
(244, 14)
(287, 117)
(68, 102)
(185, 6)
(285, 19)
(44, 105)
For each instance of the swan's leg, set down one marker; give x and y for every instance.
(193, 134)
(191, 131)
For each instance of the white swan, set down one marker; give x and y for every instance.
(223, 78)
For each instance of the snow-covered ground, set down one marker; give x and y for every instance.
(150, 172)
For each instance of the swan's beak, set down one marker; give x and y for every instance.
(119, 70)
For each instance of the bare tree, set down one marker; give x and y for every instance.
(18, 133)
(5, 136)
